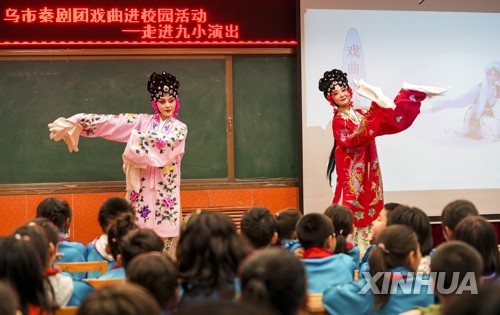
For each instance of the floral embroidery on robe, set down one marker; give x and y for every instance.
(158, 149)
(359, 181)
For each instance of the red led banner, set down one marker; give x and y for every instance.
(134, 23)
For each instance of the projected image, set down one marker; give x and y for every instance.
(429, 48)
(454, 143)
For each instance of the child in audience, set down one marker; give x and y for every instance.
(343, 225)
(158, 274)
(121, 299)
(61, 287)
(419, 222)
(266, 280)
(59, 212)
(287, 235)
(61, 282)
(378, 226)
(208, 255)
(20, 266)
(481, 235)
(116, 232)
(259, 226)
(137, 242)
(397, 256)
(98, 249)
(451, 266)
(323, 268)
(453, 213)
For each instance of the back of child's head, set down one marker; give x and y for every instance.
(393, 247)
(9, 301)
(259, 226)
(342, 220)
(111, 209)
(137, 242)
(455, 211)
(50, 230)
(118, 229)
(274, 278)
(480, 234)
(286, 220)
(56, 210)
(452, 262)
(418, 221)
(208, 254)
(222, 307)
(314, 229)
(158, 274)
(121, 299)
(486, 302)
(35, 235)
(21, 267)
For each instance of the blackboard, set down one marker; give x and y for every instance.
(34, 93)
(266, 118)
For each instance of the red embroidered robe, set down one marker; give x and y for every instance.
(359, 181)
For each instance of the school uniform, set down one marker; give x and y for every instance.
(71, 252)
(290, 245)
(354, 253)
(346, 299)
(96, 251)
(324, 269)
(117, 272)
(81, 290)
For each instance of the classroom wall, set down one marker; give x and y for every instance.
(17, 209)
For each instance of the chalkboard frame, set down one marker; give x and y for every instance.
(188, 184)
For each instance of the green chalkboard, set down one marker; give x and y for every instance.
(266, 118)
(35, 93)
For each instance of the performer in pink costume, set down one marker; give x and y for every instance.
(152, 156)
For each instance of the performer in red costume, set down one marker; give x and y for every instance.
(354, 154)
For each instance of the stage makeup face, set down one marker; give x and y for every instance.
(166, 106)
(341, 96)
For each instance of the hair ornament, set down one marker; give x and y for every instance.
(341, 231)
(159, 84)
(332, 78)
(382, 248)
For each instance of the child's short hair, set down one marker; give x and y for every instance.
(111, 208)
(274, 278)
(418, 221)
(122, 299)
(118, 229)
(343, 224)
(158, 274)
(286, 221)
(56, 210)
(258, 225)
(455, 257)
(137, 242)
(480, 234)
(455, 211)
(313, 230)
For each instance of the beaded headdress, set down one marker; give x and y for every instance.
(332, 78)
(163, 83)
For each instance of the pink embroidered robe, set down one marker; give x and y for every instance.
(359, 180)
(158, 152)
